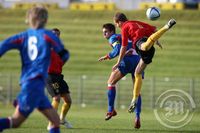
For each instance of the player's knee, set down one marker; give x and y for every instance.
(138, 74)
(67, 99)
(111, 83)
(67, 103)
(144, 48)
(70, 102)
(57, 99)
(16, 123)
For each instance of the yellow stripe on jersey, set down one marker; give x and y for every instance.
(115, 43)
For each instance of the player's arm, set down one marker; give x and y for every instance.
(57, 46)
(64, 55)
(115, 52)
(13, 42)
(122, 50)
(105, 57)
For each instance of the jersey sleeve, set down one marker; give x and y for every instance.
(115, 44)
(13, 42)
(58, 46)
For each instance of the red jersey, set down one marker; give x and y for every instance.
(135, 30)
(56, 64)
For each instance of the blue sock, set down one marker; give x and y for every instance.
(4, 124)
(138, 107)
(54, 130)
(111, 98)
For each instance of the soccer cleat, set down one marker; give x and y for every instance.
(66, 123)
(132, 106)
(137, 123)
(171, 23)
(109, 115)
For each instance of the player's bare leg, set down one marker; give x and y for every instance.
(53, 117)
(55, 104)
(154, 37)
(12, 122)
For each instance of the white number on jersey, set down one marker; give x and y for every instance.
(32, 48)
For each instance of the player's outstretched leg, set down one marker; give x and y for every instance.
(154, 37)
(55, 104)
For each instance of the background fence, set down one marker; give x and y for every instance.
(91, 90)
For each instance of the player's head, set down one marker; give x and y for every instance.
(108, 30)
(56, 31)
(119, 19)
(37, 17)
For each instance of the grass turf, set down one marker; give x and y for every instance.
(91, 119)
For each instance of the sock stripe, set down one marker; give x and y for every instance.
(10, 122)
(111, 87)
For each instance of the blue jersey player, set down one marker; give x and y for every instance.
(127, 65)
(34, 45)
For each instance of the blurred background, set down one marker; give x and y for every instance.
(176, 66)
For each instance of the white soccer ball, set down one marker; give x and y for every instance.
(153, 13)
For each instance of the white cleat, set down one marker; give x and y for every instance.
(132, 106)
(66, 124)
(171, 23)
(48, 128)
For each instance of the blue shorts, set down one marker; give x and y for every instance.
(32, 96)
(129, 64)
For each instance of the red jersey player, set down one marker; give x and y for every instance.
(57, 87)
(143, 36)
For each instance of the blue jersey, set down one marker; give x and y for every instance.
(129, 62)
(35, 47)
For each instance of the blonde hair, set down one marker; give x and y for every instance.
(37, 17)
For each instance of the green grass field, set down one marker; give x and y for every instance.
(91, 120)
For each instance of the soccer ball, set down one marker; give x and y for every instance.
(153, 13)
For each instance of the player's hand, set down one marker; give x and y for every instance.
(115, 66)
(102, 58)
(129, 52)
(159, 44)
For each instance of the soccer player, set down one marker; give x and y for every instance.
(143, 37)
(57, 87)
(127, 65)
(34, 46)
